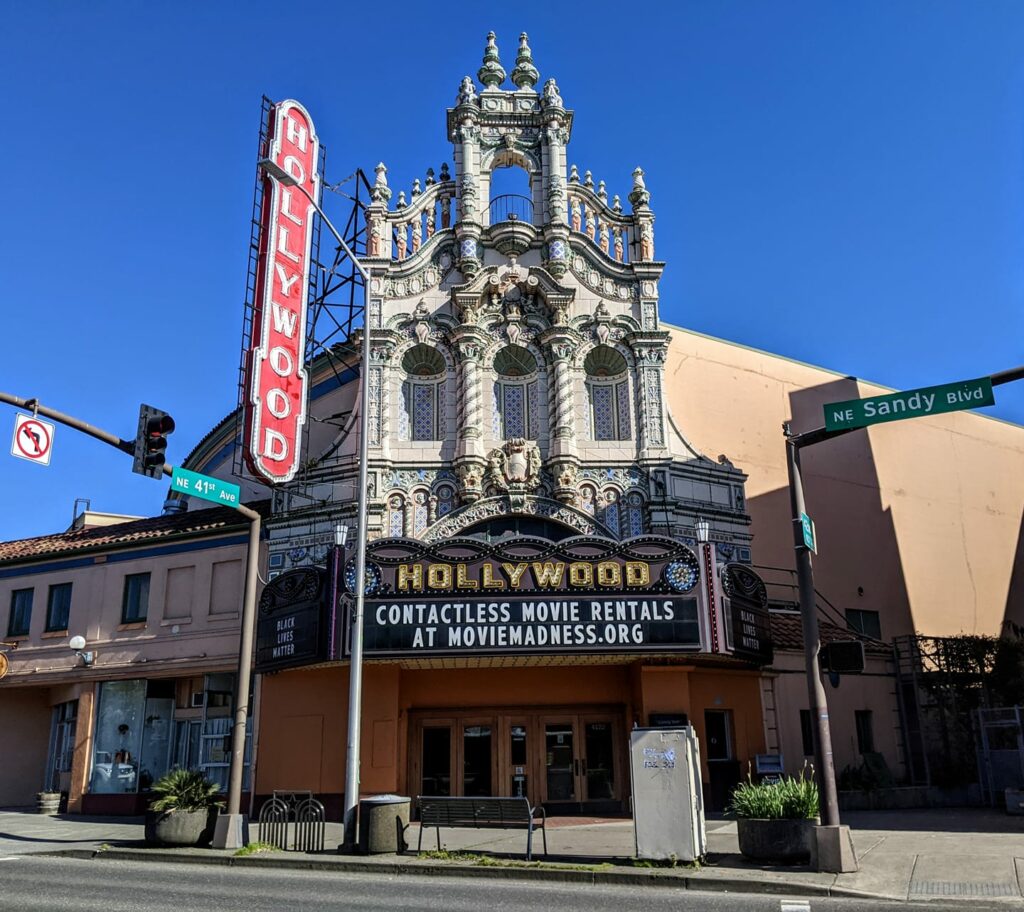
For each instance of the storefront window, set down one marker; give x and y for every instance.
(119, 721)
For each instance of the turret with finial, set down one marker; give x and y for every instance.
(491, 73)
(525, 75)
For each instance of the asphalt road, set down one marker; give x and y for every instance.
(58, 884)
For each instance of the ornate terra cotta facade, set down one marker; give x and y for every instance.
(517, 421)
(517, 355)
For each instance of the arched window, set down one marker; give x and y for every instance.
(396, 516)
(588, 499)
(608, 394)
(634, 513)
(445, 499)
(610, 513)
(516, 394)
(420, 513)
(420, 408)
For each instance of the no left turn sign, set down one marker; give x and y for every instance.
(33, 439)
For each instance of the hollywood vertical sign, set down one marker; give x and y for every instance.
(275, 375)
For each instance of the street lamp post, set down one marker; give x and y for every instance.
(355, 690)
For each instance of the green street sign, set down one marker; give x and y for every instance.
(807, 527)
(929, 400)
(196, 485)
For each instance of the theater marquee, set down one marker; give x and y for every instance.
(581, 595)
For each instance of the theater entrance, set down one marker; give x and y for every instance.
(569, 762)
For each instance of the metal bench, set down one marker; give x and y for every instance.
(483, 813)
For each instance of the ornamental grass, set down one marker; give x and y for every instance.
(791, 798)
(185, 790)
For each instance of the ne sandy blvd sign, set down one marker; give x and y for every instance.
(195, 485)
(929, 400)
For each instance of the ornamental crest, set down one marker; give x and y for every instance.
(514, 469)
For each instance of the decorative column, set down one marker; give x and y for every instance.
(469, 452)
(649, 351)
(378, 235)
(563, 459)
(556, 223)
(379, 414)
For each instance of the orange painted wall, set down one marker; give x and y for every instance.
(25, 723)
(303, 714)
(304, 727)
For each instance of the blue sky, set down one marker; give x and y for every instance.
(837, 182)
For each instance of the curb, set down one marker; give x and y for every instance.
(645, 878)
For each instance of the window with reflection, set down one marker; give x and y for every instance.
(420, 407)
(516, 407)
(608, 394)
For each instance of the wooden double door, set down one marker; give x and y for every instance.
(570, 762)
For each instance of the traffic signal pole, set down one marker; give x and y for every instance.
(232, 831)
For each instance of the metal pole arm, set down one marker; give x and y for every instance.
(126, 446)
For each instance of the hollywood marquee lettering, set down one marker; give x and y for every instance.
(494, 575)
(275, 378)
(530, 595)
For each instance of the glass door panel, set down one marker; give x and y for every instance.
(599, 761)
(559, 761)
(437, 761)
(476, 760)
(518, 760)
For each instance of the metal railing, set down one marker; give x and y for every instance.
(511, 207)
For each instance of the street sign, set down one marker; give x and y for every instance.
(33, 439)
(807, 527)
(196, 485)
(929, 400)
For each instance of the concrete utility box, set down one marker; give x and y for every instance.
(668, 806)
(382, 823)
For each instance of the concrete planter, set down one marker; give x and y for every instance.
(781, 841)
(180, 828)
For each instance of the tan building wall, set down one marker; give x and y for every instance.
(873, 691)
(922, 515)
(191, 627)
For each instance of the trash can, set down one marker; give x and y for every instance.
(382, 823)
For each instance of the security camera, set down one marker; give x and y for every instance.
(77, 643)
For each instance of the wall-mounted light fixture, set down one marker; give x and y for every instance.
(77, 643)
(703, 528)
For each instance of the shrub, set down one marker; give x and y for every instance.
(185, 790)
(791, 798)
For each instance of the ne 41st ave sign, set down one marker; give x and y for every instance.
(929, 400)
(205, 487)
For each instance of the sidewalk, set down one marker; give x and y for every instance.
(972, 854)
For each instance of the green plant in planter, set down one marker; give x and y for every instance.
(791, 798)
(185, 790)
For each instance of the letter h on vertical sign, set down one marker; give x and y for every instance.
(275, 376)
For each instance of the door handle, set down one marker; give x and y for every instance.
(576, 767)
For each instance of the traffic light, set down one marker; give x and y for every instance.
(151, 441)
(842, 657)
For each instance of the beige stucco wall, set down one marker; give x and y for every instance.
(195, 597)
(873, 690)
(924, 515)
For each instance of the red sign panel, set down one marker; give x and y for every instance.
(275, 375)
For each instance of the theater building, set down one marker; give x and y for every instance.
(536, 583)
(543, 451)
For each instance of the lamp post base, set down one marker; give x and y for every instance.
(832, 850)
(232, 831)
